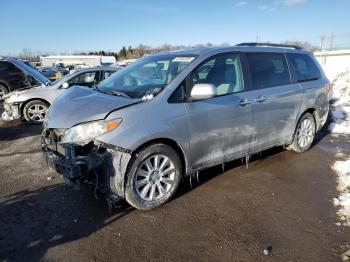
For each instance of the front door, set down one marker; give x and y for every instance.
(88, 79)
(220, 128)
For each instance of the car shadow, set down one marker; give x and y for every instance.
(32, 221)
(17, 129)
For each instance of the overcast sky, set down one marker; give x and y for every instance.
(81, 25)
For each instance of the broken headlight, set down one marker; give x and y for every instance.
(88, 131)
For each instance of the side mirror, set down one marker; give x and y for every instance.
(203, 91)
(65, 85)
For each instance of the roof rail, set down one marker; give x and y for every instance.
(270, 44)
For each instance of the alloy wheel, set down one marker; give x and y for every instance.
(37, 112)
(305, 133)
(155, 177)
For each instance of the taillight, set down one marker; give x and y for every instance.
(329, 87)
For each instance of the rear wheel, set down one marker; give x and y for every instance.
(3, 90)
(304, 134)
(153, 177)
(35, 111)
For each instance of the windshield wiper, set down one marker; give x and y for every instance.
(112, 92)
(119, 93)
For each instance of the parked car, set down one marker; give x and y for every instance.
(170, 115)
(15, 74)
(32, 104)
(51, 73)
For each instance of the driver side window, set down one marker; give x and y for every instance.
(85, 78)
(223, 71)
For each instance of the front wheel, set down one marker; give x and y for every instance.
(153, 177)
(304, 134)
(35, 111)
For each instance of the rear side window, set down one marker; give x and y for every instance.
(304, 67)
(107, 74)
(268, 69)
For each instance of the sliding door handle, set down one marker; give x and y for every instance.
(244, 102)
(260, 99)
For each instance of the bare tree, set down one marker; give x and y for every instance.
(304, 44)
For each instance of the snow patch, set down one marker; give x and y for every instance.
(340, 112)
(343, 200)
(340, 108)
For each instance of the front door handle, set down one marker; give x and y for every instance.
(244, 102)
(260, 99)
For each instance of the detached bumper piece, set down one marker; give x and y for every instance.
(11, 112)
(98, 164)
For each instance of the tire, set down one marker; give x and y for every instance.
(148, 184)
(3, 90)
(304, 134)
(35, 111)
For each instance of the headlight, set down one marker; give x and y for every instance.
(89, 131)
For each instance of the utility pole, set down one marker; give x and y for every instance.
(322, 41)
(331, 37)
(323, 59)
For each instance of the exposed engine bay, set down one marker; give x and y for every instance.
(92, 162)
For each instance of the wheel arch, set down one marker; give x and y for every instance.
(310, 110)
(30, 100)
(314, 113)
(6, 86)
(173, 144)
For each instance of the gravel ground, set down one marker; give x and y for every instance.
(283, 199)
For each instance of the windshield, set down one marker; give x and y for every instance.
(60, 81)
(147, 76)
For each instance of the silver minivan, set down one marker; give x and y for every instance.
(170, 115)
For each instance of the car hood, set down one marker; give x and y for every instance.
(81, 104)
(31, 71)
(17, 96)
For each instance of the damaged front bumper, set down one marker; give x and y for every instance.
(12, 112)
(91, 163)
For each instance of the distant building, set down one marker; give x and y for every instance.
(334, 57)
(90, 60)
(334, 61)
(125, 62)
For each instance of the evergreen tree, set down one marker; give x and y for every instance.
(122, 52)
